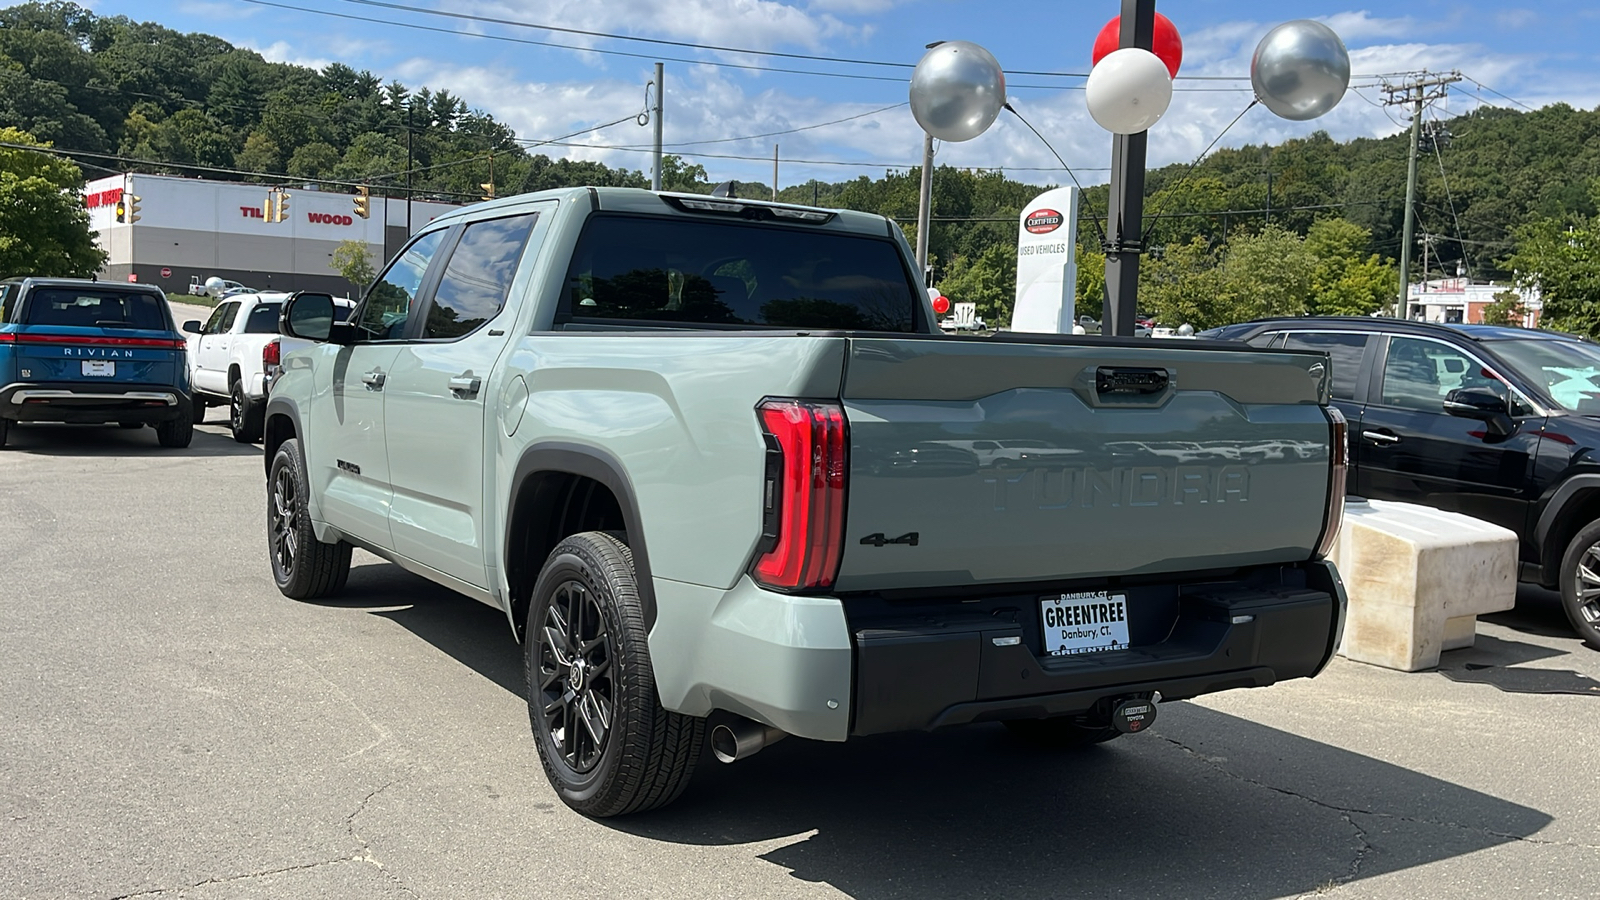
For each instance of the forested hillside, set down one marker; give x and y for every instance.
(145, 92)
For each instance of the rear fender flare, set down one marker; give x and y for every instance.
(601, 466)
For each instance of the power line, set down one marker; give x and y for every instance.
(751, 137)
(1485, 87)
(826, 162)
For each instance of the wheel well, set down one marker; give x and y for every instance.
(550, 506)
(1582, 509)
(233, 375)
(275, 431)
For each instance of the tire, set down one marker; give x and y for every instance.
(244, 417)
(586, 618)
(1580, 583)
(180, 431)
(1063, 733)
(200, 407)
(5, 430)
(303, 567)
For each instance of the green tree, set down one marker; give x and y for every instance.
(1347, 281)
(316, 160)
(1266, 274)
(1090, 298)
(353, 260)
(44, 227)
(1184, 286)
(1507, 309)
(260, 154)
(990, 281)
(1561, 262)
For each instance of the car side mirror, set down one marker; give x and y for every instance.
(311, 316)
(1483, 404)
(192, 326)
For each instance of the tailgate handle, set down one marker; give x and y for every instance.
(1130, 380)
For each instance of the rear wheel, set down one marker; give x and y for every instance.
(607, 745)
(1063, 733)
(1580, 583)
(200, 407)
(244, 417)
(303, 567)
(177, 432)
(5, 430)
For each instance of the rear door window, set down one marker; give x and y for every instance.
(1345, 350)
(478, 277)
(675, 270)
(95, 308)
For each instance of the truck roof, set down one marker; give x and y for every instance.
(640, 200)
(131, 287)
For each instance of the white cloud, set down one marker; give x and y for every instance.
(758, 24)
(284, 52)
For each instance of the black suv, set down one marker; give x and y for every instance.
(1502, 424)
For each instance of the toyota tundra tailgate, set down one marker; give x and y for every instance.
(981, 461)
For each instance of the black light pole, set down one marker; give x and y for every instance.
(1125, 220)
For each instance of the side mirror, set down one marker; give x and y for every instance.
(1483, 404)
(192, 326)
(309, 316)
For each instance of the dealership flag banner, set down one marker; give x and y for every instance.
(1047, 266)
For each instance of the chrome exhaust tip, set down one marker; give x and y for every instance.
(742, 738)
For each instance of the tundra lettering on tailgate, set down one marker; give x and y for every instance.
(1135, 486)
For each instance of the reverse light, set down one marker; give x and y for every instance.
(1339, 456)
(803, 494)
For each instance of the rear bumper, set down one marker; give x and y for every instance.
(828, 668)
(922, 672)
(80, 403)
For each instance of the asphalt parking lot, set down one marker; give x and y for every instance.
(172, 726)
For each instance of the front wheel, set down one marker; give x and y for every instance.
(178, 432)
(303, 567)
(1580, 583)
(607, 745)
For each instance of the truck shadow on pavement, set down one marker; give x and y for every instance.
(51, 439)
(1205, 805)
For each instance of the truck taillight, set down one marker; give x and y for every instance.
(802, 494)
(271, 355)
(1339, 455)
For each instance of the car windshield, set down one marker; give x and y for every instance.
(1569, 371)
(263, 319)
(91, 308)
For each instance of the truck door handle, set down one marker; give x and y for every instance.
(1382, 438)
(465, 387)
(373, 380)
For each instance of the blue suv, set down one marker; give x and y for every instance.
(92, 352)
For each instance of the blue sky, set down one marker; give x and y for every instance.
(1534, 53)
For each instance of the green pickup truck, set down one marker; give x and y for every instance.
(723, 473)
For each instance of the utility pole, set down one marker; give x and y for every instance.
(1417, 92)
(925, 209)
(409, 166)
(655, 176)
(774, 173)
(1125, 221)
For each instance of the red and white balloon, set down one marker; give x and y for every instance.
(1130, 89)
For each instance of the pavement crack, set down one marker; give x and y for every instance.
(1347, 812)
(230, 879)
(365, 854)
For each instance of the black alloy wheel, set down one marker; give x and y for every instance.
(303, 567)
(607, 745)
(577, 693)
(244, 418)
(1580, 584)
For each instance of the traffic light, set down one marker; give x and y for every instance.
(363, 203)
(128, 209)
(283, 206)
(276, 209)
(488, 190)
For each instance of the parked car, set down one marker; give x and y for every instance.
(717, 466)
(92, 352)
(229, 356)
(1498, 423)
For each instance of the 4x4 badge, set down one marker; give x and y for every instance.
(878, 540)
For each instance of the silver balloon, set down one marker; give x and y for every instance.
(1301, 70)
(957, 91)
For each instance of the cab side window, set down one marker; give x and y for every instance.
(1419, 374)
(478, 278)
(221, 320)
(1345, 352)
(7, 291)
(387, 306)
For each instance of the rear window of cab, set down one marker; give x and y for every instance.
(643, 269)
(94, 308)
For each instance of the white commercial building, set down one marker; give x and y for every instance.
(190, 229)
(1460, 300)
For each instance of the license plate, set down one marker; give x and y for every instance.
(1084, 623)
(99, 368)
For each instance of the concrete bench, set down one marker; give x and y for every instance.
(1418, 578)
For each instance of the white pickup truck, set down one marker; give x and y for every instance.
(229, 355)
